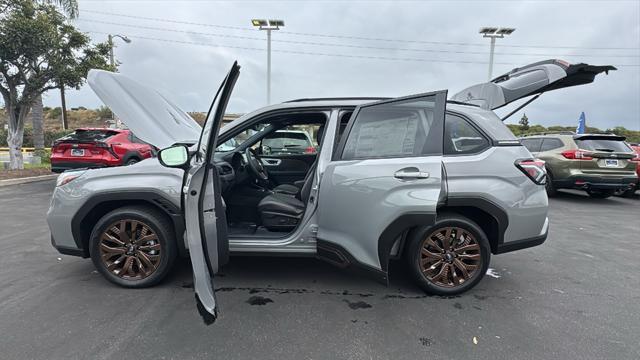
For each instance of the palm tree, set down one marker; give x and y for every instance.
(70, 7)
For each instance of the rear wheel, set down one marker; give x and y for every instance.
(133, 246)
(600, 194)
(450, 257)
(626, 193)
(131, 161)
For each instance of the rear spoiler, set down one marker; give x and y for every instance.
(599, 137)
(533, 79)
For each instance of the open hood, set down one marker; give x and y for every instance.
(146, 112)
(529, 80)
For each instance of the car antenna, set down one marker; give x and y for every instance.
(521, 106)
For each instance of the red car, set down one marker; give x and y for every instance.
(98, 147)
(636, 148)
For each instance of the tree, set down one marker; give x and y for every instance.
(524, 123)
(39, 51)
(70, 8)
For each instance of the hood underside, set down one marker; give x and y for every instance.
(149, 115)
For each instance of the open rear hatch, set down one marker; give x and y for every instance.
(533, 79)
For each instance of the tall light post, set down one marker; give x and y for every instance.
(112, 61)
(494, 33)
(268, 25)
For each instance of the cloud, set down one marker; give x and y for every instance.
(191, 73)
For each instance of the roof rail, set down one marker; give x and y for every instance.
(550, 133)
(338, 98)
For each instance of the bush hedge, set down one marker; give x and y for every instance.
(49, 137)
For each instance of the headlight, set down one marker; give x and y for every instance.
(67, 177)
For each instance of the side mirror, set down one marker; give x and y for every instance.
(174, 157)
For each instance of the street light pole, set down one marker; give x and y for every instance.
(268, 25)
(112, 61)
(268, 66)
(494, 33)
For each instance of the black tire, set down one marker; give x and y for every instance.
(156, 222)
(131, 161)
(413, 254)
(600, 194)
(629, 193)
(551, 189)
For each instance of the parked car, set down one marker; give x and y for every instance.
(98, 147)
(600, 164)
(287, 142)
(440, 185)
(630, 192)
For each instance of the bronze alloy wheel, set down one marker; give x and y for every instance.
(450, 256)
(130, 250)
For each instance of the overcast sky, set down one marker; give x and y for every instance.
(188, 61)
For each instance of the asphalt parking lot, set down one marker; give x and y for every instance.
(575, 297)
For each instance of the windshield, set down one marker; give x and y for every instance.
(603, 145)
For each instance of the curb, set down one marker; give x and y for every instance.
(26, 180)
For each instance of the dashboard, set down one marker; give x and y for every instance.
(231, 169)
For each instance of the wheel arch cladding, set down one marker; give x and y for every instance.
(396, 228)
(491, 218)
(99, 205)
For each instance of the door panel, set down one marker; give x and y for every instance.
(206, 227)
(286, 169)
(388, 166)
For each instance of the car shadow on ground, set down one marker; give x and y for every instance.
(291, 272)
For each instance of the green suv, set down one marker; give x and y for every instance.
(600, 164)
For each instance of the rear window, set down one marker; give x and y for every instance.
(282, 140)
(603, 145)
(89, 135)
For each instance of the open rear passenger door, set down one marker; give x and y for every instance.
(385, 176)
(205, 219)
(533, 79)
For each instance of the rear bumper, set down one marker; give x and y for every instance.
(597, 182)
(524, 243)
(60, 166)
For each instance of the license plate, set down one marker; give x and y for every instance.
(611, 162)
(77, 152)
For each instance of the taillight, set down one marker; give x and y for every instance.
(577, 154)
(310, 150)
(534, 169)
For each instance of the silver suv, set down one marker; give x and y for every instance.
(438, 184)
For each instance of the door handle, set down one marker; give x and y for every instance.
(410, 173)
(271, 162)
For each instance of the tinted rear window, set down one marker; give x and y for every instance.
(89, 135)
(603, 145)
(286, 139)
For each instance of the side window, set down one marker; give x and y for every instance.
(533, 145)
(400, 128)
(550, 144)
(460, 137)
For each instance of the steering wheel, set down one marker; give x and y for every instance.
(255, 165)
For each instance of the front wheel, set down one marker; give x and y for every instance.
(450, 257)
(133, 246)
(600, 194)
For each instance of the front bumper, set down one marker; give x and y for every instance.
(65, 250)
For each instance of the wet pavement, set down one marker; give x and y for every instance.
(575, 297)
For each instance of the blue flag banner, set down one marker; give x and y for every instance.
(582, 124)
